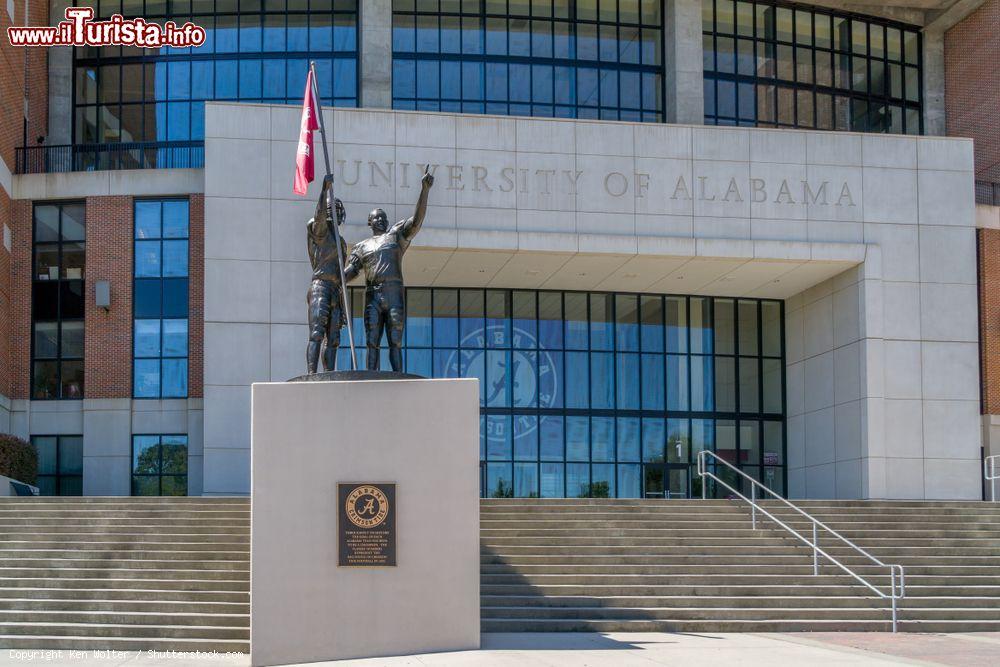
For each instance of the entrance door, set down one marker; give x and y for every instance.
(653, 480)
(665, 481)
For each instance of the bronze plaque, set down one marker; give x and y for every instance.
(366, 524)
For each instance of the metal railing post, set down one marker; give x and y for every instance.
(990, 474)
(815, 552)
(894, 594)
(892, 589)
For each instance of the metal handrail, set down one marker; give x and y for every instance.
(896, 592)
(991, 473)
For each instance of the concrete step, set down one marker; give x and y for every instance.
(675, 625)
(57, 642)
(688, 613)
(741, 588)
(128, 630)
(936, 530)
(152, 514)
(644, 559)
(63, 604)
(143, 618)
(728, 577)
(137, 525)
(126, 594)
(199, 574)
(684, 601)
(777, 565)
(787, 541)
(702, 626)
(588, 546)
(180, 540)
(124, 562)
(118, 554)
(743, 612)
(146, 584)
(727, 601)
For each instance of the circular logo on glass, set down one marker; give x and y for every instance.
(509, 373)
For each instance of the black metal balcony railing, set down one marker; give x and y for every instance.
(988, 193)
(110, 156)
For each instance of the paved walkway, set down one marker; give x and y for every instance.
(621, 650)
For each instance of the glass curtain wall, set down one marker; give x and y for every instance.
(530, 57)
(605, 395)
(255, 51)
(57, 301)
(160, 299)
(774, 65)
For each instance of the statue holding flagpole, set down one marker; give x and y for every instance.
(327, 300)
(379, 257)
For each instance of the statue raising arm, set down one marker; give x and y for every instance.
(352, 265)
(410, 226)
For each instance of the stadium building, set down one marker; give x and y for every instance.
(766, 229)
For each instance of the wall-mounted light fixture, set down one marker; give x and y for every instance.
(102, 294)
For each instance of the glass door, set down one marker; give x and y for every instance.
(652, 479)
(677, 481)
(663, 480)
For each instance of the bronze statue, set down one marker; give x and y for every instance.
(326, 310)
(381, 258)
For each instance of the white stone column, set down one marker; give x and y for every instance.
(682, 60)
(60, 68)
(934, 109)
(375, 51)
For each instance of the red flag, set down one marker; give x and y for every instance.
(304, 155)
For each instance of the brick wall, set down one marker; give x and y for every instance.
(108, 338)
(17, 65)
(20, 353)
(196, 296)
(989, 317)
(972, 85)
(5, 297)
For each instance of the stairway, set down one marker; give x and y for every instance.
(691, 565)
(173, 573)
(125, 573)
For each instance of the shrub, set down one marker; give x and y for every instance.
(18, 459)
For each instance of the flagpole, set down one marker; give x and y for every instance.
(336, 223)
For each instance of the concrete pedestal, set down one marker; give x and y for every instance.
(306, 437)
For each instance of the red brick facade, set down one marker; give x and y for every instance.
(17, 65)
(108, 336)
(972, 85)
(989, 317)
(972, 94)
(196, 296)
(21, 299)
(6, 341)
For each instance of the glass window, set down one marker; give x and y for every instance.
(812, 51)
(161, 99)
(160, 329)
(60, 464)
(584, 393)
(159, 465)
(58, 284)
(531, 58)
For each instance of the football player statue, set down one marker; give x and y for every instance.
(326, 310)
(381, 258)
